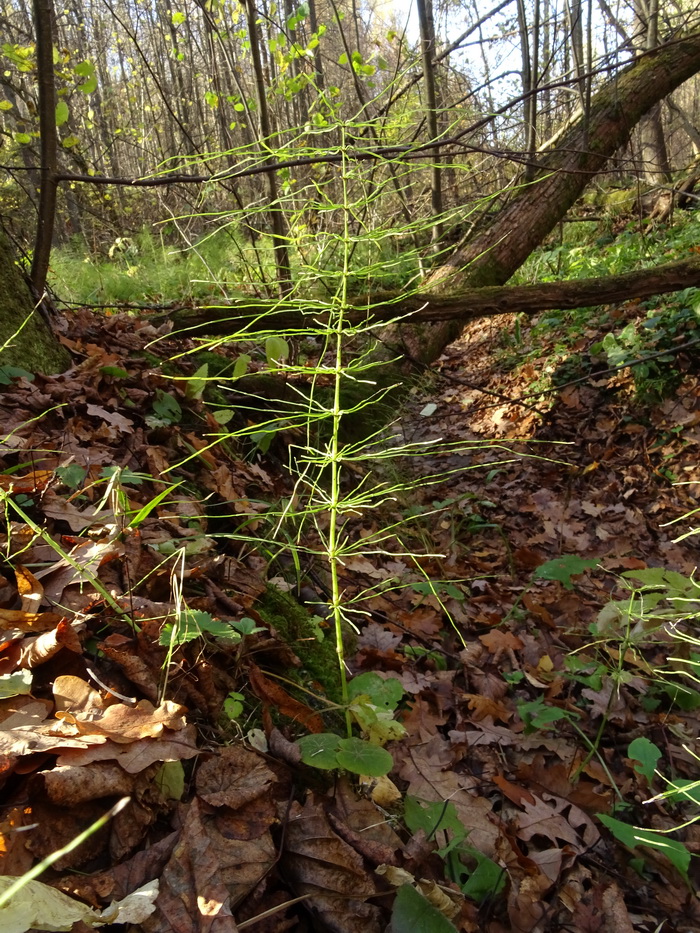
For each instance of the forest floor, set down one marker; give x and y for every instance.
(538, 690)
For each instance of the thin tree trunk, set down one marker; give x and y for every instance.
(427, 46)
(44, 26)
(279, 232)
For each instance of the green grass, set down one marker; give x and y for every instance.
(152, 268)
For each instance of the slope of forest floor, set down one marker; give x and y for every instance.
(538, 693)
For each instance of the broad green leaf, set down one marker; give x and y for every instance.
(684, 790)
(178, 18)
(84, 69)
(487, 879)
(5, 105)
(194, 623)
(115, 371)
(361, 757)
(384, 693)
(16, 684)
(223, 416)
(320, 751)
(88, 86)
(197, 383)
(62, 112)
(632, 836)
(22, 138)
(276, 350)
(8, 373)
(675, 583)
(413, 913)
(166, 409)
(646, 754)
(126, 476)
(241, 366)
(563, 569)
(69, 142)
(438, 816)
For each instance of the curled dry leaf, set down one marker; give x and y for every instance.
(233, 777)
(69, 786)
(28, 621)
(273, 694)
(37, 651)
(206, 875)
(322, 865)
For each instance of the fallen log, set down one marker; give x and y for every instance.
(258, 315)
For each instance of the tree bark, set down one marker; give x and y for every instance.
(496, 253)
(258, 315)
(25, 340)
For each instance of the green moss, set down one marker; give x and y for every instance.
(296, 628)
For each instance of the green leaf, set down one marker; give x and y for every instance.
(361, 757)
(320, 751)
(22, 138)
(486, 880)
(72, 475)
(115, 371)
(178, 18)
(18, 683)
(170, 780)
(241, 366)
(683, 791)
(166, 409)
(84, 69)
(432, 818)
(413, 913)
(69, 142)
(146, 510)
(343, 60)
(223, 416)
(197, 383)
(646, 754)
(563, 569)
(88, 86)
(62, 112)
(233, 705)
(384, 693)
(126, 476)
(276, 350)
(8, 373)
(633, 836)
(5, 105)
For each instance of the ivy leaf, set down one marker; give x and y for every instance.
(563, 569)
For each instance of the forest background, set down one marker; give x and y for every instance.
(237, 237)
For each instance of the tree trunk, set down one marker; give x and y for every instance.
(497, 252)
(25, 340)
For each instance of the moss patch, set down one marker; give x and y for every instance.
(296, 628)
